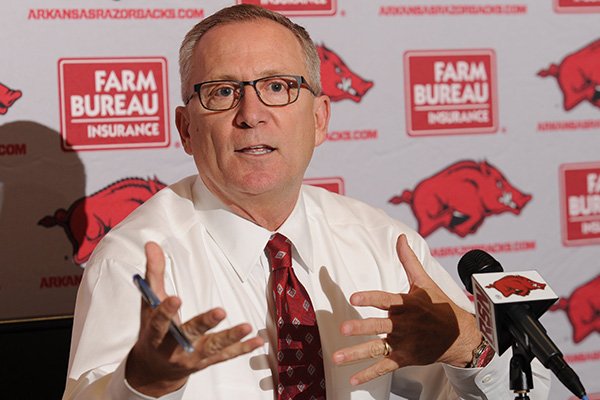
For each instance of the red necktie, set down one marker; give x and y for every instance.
(299, 353)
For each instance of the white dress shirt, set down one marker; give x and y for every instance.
(216, 259)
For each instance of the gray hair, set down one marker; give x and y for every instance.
(244, 13)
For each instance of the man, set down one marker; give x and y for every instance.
(253, 116)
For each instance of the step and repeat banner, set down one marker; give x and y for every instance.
(475, 122)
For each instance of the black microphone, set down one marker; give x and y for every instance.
(503, 321)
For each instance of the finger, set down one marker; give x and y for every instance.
(367, 326)
(158, 325)
(198, 325)
(155, 269)
(375, 298)
(412, 266)
(237, 349)
(380, 368)
(215, 343)
(364, 351)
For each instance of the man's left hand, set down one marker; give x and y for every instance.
(423, 326)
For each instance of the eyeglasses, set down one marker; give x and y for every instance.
(277, 90)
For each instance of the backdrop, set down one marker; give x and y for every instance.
(475, 122)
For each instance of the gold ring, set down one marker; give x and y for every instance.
(387, 349)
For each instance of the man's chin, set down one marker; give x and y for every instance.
(253, 185)
(259, 187)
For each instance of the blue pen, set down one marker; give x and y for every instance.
(151, 298)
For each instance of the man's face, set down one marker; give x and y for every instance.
(252, 149)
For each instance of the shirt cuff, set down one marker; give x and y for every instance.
(489, 382)
(121, 389)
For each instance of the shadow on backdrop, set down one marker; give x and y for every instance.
(38, 278)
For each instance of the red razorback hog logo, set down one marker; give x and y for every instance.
(337, 80)
(583, 309)
(460, 197)
(516, 284)
(91, 217)
(578, 76)
(7, 98)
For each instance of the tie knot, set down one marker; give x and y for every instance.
(279, 252)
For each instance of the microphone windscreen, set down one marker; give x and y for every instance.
(476, 262)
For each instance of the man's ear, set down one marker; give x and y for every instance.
(322, 112)
(182, 121)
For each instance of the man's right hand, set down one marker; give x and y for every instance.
(157, 365)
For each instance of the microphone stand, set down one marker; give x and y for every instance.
(521, 380)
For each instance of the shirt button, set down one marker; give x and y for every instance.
(486, 379)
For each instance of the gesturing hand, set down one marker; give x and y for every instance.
(157, 365)
(423, 326)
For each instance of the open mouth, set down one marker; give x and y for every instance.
(256, 150)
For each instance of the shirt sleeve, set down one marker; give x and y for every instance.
(492, 382)
(98, 385)
(103, 334)
(120, 389)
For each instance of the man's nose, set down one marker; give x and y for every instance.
(251, 111)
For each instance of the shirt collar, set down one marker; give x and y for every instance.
(242, 241)
(297, 229)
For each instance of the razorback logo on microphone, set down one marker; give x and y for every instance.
(7, 97)
(338, 81)
(113, 103)
(577, 6)
(578, 76)
(493, 291)
(89, 218)
(460, 197)
(583, 309)
(296, 7)
(450, 92)
(580, 203)
(515, 284)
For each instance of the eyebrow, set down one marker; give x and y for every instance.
(270, 72)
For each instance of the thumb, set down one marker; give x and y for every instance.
(155, 269)
(413, 267)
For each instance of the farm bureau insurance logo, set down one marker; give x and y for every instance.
(577, 6)
(580, 203)
(113, 103)
(296, 7)
(450, 92)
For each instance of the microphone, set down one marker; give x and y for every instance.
(508, 306)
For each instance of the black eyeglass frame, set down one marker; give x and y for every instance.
(300, 81)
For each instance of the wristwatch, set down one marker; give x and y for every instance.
(482, 355)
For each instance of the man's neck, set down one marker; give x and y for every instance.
(268, 210)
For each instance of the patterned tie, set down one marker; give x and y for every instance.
(299, 353)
